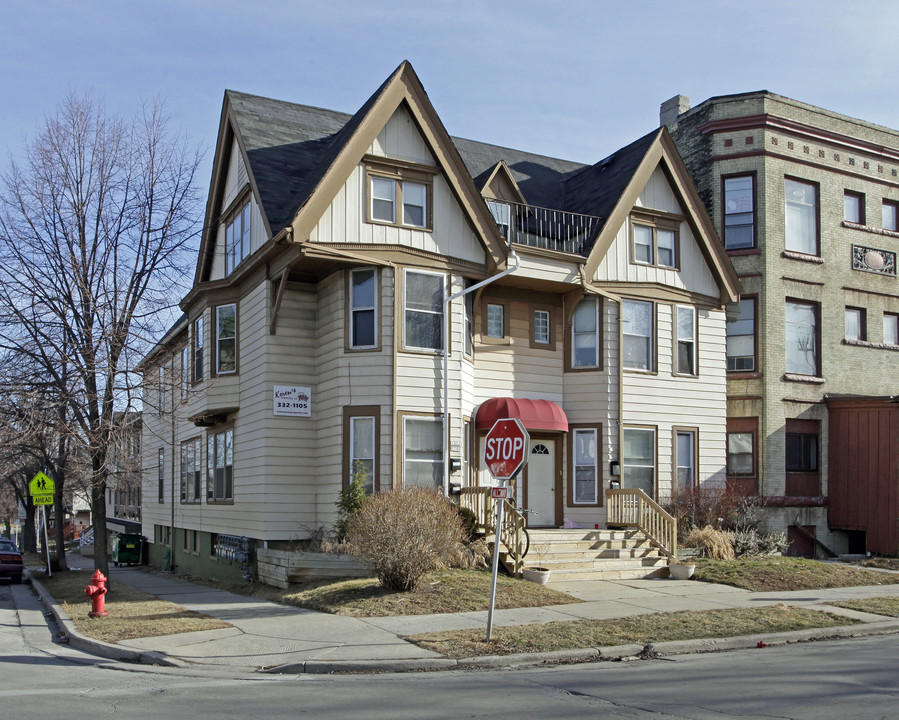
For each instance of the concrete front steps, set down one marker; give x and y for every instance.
(594, 554)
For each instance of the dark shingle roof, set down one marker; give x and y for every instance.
(290, 148)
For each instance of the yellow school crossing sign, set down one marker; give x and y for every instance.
(42, 488)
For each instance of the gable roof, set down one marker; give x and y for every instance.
(290, 151)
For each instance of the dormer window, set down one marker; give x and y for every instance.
(654, 240)
(237, 238)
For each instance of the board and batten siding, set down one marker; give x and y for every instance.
(345, 220)
(692, 273)
(236, 182)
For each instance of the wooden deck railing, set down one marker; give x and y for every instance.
(634, 508)
(512, 533)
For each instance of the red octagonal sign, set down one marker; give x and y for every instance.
(506, 448)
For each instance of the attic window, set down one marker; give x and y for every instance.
(237, 237)
(399, 193)
(654, 240)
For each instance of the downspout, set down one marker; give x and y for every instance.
(447, 317)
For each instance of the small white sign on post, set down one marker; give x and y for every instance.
(292, 401)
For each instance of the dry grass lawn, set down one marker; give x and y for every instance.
(441, 591)
(643, 629)
(787, 573)
(888, 606)
(132, 613)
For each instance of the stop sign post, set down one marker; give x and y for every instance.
(505, 453)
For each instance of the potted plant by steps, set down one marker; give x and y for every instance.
(681, 569)
(537, 573)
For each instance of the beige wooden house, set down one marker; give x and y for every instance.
(313, 338)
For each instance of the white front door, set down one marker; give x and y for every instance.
(540, 484)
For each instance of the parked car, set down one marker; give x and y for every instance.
(11, 564)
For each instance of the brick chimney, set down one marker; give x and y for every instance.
(671, 109)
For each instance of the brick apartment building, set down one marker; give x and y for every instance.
(806, 202)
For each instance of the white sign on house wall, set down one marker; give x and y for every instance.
(292, 401)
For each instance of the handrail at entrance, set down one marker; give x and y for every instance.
(512, 533)
(634, 508)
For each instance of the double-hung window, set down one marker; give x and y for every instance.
(185, 371)
(585, 334)
(685, 459)
(654, 241)
(856, 324)
(362, 450)
(638, 459)
(637, 330)
(739, 212)
(801, 457)
(854, 207)
(801, 341)
(399, 193)
(800, 217)
(160, 475)
(191, 471)
(890, 329)
(585, 461)
(197, 342)
(741, 453)
(889, 215)
(686, 340)
(220, 466)
(423, 310)
(422, 452)
(741, 337)
(237, 238)
(226, 339)
(163, 380)
(363, 309)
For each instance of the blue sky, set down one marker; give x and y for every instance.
(574, 79)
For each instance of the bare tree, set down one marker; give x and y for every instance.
(93, 226)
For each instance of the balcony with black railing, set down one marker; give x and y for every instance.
(545, 228)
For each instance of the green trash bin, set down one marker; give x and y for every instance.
(127, 549)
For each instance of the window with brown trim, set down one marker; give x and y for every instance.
(237, 237)
(685, 361)
(654, 241)
(197, 342)
(361, 442)
(543, 332)
(226, 339)
(742, 455)
(220, 466)
(191, 471)
(584, 461)
(399, 193)
(638, 333)
(586, 335)
(686, 458)
(362, 311)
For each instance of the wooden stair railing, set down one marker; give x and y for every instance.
(634, 508)
(512, 533)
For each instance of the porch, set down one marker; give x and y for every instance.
(639, 539)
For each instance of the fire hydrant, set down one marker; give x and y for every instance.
(96, 591)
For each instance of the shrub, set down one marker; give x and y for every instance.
(402, 534)
(351, 499)
(713, 506)
(712, 543)
(751, 542)
(469, 523)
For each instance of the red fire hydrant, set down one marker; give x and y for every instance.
(96, 591)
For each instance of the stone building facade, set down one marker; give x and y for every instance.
(806, 202)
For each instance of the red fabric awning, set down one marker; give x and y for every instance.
(534, 414)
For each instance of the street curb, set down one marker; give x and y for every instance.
(75, 639)
(610, 653)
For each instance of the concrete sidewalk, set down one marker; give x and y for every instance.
(270, 637)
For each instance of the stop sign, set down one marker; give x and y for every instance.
(506, 448)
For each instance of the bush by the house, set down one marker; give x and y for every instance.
(711, 543)
(351, 499)
(402, 534)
